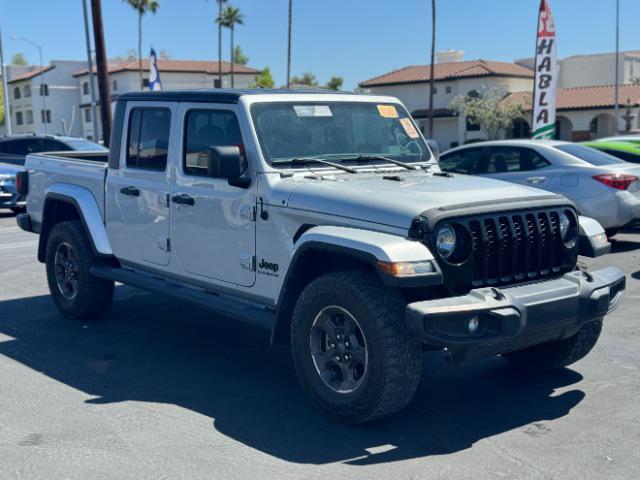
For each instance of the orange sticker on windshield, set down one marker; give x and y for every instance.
(388, 111)
(409, 128)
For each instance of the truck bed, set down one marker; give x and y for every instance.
(77, 169)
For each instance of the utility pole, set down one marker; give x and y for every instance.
(432, 69)
(92, 86)
(5, 91)
(289, 44)
(616, 100)
(103, 74)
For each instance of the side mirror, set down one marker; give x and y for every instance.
(435, 148)
(593, 240)
(227, 162)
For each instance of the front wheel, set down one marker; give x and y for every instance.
(559, 354)
(353, 355)
(69, 257)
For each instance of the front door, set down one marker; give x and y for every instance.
(519, 165)
(212, 222)
(138, 191)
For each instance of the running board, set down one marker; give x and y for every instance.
(219, 304)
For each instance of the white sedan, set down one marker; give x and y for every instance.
(601, 186)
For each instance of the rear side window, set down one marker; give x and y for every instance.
(148, 138)
(21, 147)
(589, 155)
(204, 129)
(514, 159)
(49, 145)
(626, 156)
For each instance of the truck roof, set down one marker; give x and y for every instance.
(218, 95)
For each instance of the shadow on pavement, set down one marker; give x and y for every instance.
(620, 246)
(152, 349)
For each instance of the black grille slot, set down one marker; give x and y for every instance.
(511, 248)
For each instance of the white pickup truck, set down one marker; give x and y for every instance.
(325, 218)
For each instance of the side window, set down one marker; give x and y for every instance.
(205, 128)
(514, 159)
(49, 145)
(626, 156)
(19, 147)
(148, 138)
(465, 161)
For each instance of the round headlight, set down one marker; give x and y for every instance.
(568, 229)
(446, 241)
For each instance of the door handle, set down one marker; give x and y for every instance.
(183, 199)
(536, 179)
(130, 191)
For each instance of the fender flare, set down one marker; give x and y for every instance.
(87, 207)
(363, 245)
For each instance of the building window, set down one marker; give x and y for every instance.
(435, 90)
(471, 126)
(593, 126)
(115, 85)
(16, 93)
(27, 90)
(29, 116)
(145, 83)
(216, 83)
(85, 88)
(18, 118)
(45, 116)
(87, 115)
(447, 89)
(44, 90)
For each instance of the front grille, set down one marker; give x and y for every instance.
(509, 247)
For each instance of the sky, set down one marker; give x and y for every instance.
(354, 39)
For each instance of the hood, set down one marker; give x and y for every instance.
(372, 198)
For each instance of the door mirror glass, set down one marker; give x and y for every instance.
(225, 162)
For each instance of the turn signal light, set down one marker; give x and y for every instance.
(406, 269)
(619, 181)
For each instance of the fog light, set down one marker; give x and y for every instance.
(473, 324)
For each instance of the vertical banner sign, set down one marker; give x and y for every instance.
(544, 91)
(154, 75)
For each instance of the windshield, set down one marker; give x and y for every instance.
(338, 131)
(589, 155)
(85, 146)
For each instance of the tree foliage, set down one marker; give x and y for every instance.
(490, 109)
(264, 79)
(239, 57)
(19, 59)
(335, 83)
(143, 6)
(308, 79)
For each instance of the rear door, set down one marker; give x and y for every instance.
(137, 198)
(212, 222)
(519, 165)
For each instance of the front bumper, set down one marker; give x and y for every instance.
(516, 317)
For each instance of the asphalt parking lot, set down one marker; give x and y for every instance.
(161, 390)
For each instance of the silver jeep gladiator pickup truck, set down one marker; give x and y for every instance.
(325, 218)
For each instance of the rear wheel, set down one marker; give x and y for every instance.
(69, 258)
(351, 350)
(555, 355)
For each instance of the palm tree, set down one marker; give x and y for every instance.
(142, 7)
(220, 2)
(231, 17)
(432, 69)
(289, 43)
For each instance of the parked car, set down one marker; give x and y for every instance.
(601, 186)
(325, 218)
(624, 150)
(13, 151)
(632, 138)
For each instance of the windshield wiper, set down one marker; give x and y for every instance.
(369, 158)
(303, 161)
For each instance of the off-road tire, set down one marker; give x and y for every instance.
(394, 355)
(555, 355)
(93, 294)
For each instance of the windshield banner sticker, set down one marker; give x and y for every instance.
(388, 111)
(313, 110)
(409, 128)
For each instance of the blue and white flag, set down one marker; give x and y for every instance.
(154, 75)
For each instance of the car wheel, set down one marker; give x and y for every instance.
(352, 353)
(554, 355)
(69, 258)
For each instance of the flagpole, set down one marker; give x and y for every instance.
(92, 86)
(616, 100)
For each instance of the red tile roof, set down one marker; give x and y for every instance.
(187, 66)
(584, 97)
(31, 73)
(449, 71)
